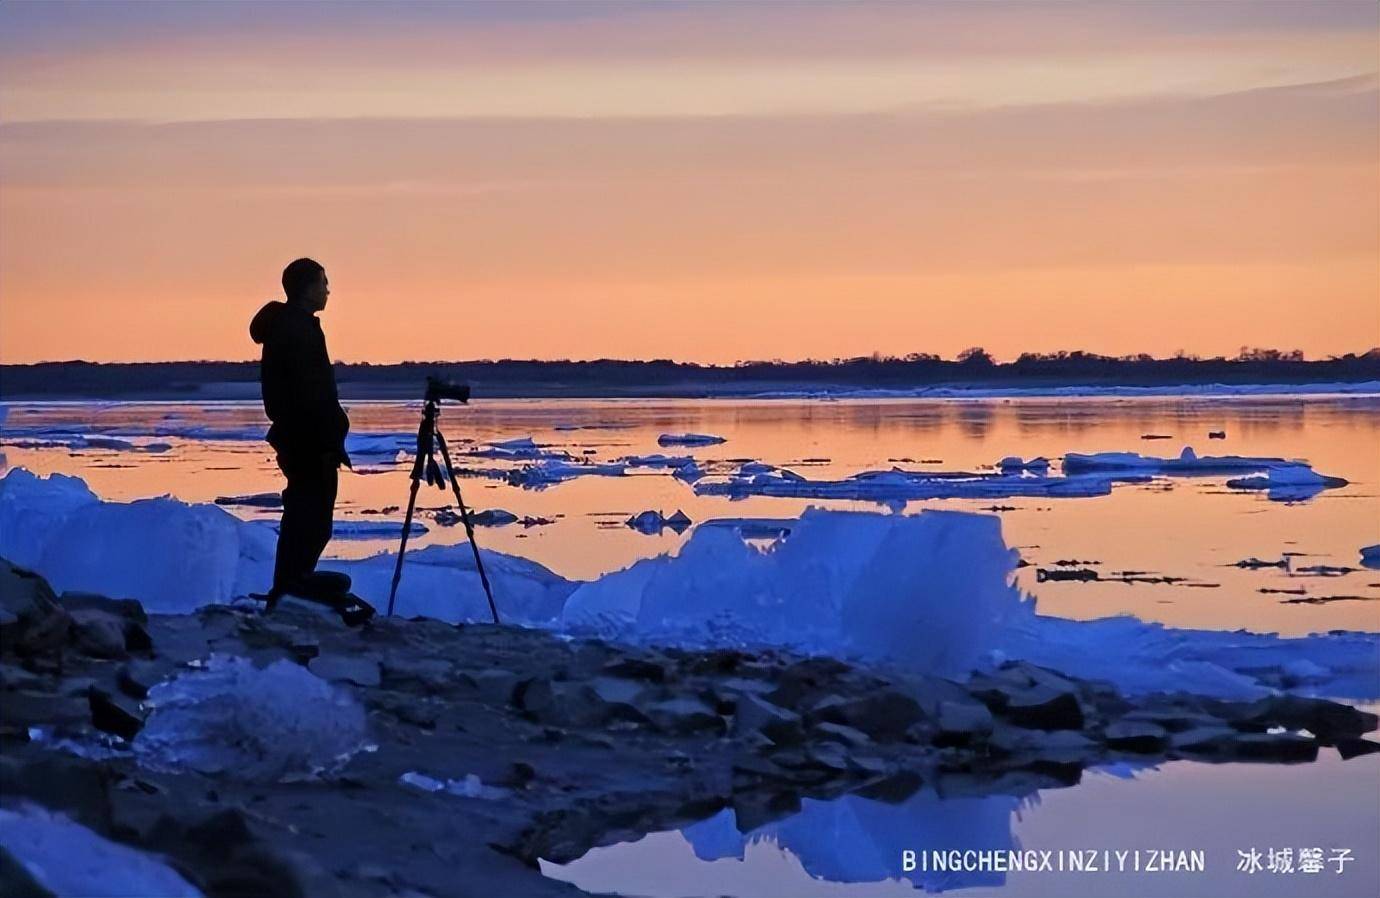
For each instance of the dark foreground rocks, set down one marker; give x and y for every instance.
(495, 746)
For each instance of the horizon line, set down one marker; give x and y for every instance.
(1279, 355)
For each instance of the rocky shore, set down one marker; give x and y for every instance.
(486, 748)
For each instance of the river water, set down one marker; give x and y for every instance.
(1193, 531)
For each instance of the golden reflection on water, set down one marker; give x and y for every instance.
(1185, 527)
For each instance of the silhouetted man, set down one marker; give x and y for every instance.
(309, 426)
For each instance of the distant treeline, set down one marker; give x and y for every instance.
(663, 377)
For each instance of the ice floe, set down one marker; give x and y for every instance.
(689, 473)
(65, 858)
(1084, 475)
(653, 522)
(1370, 556)
(255, 500)
(79, 443)
(1285, 483)
(689, 439)
(1015, 464)
(470, 786)
(176, 557)
(493, 517)
(234, 719)
(517, 449)
(374, 529)
(901, 485)
(380, 448)
(657, 460)
(932, 592)
(549, 473)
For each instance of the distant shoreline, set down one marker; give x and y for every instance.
(1065, 374)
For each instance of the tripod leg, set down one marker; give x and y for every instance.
(402, 546)
(469, 527)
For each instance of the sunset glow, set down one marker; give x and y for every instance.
(698, 181)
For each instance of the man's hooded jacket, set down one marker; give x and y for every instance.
(298, 384)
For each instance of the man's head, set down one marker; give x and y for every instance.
(304, 283)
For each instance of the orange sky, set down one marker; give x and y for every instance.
(699, 181)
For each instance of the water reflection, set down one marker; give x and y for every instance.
(1197, 530)
(852, 846)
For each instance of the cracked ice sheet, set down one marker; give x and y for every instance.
(931, 592)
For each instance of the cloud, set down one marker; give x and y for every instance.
(1335, 123)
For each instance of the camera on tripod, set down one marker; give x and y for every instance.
(438, 389)
(429, 439)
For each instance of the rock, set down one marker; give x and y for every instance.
(1061, 746)
(636, 669)
(28, 707)
(1275, 747)
(806, 682)
(829, 756)
(410, 709)
(1135, 735)
(221, 831)
(429, 675)
(757, 715)
(739, 685)
(346, 669)
(60, 782)
(496, 687)
(1041, 676)
(1329, 721)
(14, 677)
(749, 766)
(892, 789)
(136, 678)
(883, 714)
(1175, 720)
(962, 723)
(137, 638)
(683, 716)
(1203, 740)
(569, 703)
(837, 732)
(533, 695)
(16, 881)
(715, 661)
(518, 775)
(126, 609)
(115, 713)
(868, 765)
(618, 697)
(77, 686)
(269, 872)
(304, 649)
(98, 634)
(1353, 748)
(930, 691)
(1045, 708)
(757, 808)
(31, 620)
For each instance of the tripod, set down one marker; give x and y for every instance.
(429, 437)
